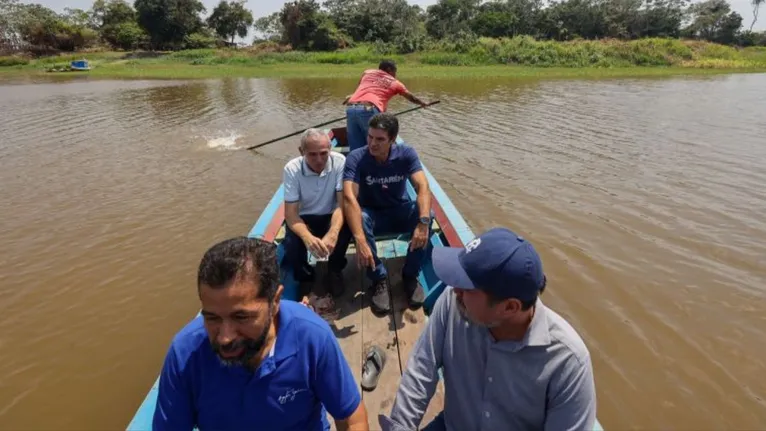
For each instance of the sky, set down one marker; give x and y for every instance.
(265, 7)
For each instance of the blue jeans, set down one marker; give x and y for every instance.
(295, 258)
(395, 220)
(357, 123)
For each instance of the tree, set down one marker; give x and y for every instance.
(230, 19)
(450, 17)
(713, 20)
(116, 21)
(756, 6)
(270, 27)
(169, 22)
(10, 25)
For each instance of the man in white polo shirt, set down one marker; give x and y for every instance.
(313, 210)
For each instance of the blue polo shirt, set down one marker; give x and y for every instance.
(382, 185)
(305, 373)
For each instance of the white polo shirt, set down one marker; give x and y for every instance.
(314, 192)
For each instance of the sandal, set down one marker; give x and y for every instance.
(373, 367)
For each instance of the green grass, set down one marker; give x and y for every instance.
(518, 57)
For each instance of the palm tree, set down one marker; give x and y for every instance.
(756, 5)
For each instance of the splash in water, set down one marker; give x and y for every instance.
(224, 143)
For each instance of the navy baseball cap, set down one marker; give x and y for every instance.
(498, 262)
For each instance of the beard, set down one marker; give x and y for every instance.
(463, 311)
(251, 347)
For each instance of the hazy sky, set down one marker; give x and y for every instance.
(265, 7)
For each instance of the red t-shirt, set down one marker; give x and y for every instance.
(377, 87)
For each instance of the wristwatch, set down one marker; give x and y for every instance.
(425, 220)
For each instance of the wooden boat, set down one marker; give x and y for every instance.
(354, 325)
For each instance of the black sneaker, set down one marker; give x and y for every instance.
(335, 283)
(414, 291)
(380, 303)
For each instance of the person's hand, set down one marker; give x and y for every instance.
(419, 237)
(316, 247)
(364, 257)
(329, 242)
(305, 301)
(423, 105)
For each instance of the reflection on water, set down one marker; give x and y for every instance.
(645, 198)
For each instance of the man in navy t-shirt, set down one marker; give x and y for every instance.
(376, 202)
(252, 361)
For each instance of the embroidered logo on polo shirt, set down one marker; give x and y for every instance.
(290, 395)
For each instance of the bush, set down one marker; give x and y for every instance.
(126, 35)
(328, 37)
(13, 61)
(199, 41)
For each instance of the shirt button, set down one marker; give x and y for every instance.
(490, 379)
(486, 414)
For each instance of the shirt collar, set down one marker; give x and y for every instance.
(539, 333)
(307, 172)
(284, 345)
(393, 154)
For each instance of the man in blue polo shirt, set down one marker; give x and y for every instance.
(508, 361)
(252, 361)
(376, 202)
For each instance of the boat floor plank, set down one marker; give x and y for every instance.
(357, 329)
(378, 331)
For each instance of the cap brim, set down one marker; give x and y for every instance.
(447, 267)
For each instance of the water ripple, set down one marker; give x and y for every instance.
(644, 197)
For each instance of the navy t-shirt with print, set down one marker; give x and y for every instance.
(382, 185)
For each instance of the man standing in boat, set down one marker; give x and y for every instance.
(252, 360)
(508, 361)
(376, 201)
(375, 89)
(314, 210)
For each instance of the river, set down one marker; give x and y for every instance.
(646, 199)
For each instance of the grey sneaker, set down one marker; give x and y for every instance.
(414, 291)
(380, 302)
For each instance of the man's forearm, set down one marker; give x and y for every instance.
(298, 226)
(356, 422)
(415, 99)
(336, 222)
(424, 202)
(416, 388)
(354, 217)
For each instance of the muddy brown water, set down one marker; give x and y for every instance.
(646, 199)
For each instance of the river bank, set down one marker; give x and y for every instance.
(518, 57)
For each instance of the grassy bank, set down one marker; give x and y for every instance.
(522, 57)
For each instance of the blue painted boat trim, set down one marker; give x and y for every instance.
(259, 228)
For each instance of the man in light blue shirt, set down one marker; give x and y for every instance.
(252, 361)
(314, 211)
(509, 362)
